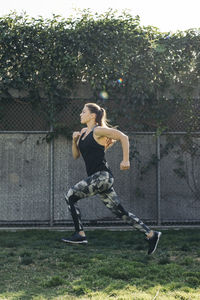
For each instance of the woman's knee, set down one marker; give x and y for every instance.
(70, 197)
(67, 195)
(72, 200)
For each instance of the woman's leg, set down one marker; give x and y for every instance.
(94, 184)
(111, 200)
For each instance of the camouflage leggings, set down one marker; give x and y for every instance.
(100, 183)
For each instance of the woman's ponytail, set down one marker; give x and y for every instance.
(101, 120)
(100, 113)
(100, 116)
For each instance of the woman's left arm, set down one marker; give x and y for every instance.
(118, 136)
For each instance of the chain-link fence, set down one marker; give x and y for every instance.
(162, 186)
(180, 116)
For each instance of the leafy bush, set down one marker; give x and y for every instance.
(148, 72)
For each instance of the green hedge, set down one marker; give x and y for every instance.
(46, 58)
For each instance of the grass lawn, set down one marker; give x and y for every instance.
(34, 264)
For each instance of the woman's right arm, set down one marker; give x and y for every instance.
(75, 149)
(75, 139)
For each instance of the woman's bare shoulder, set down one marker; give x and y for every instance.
(83, 130)
(103, 130)
(100, 128)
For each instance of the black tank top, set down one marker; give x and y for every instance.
(93, 154)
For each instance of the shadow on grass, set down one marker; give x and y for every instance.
(35, 263)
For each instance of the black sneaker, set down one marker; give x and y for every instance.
(76, 238)
(153, 242)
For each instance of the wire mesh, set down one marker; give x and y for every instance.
(26, 163)
(183, 115)
(20, 116)
(180, 177)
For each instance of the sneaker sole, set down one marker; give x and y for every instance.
(74, 242)
(159, 235)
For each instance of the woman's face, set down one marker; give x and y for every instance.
(86, 115)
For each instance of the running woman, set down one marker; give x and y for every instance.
(92, 142)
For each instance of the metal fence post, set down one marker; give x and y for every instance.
(51, 208)
(158, 180)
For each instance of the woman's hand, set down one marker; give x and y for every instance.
(109, 143)
(124, 165)
(75, 136)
